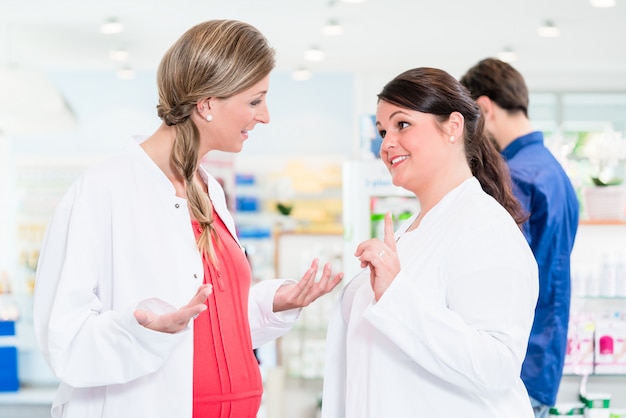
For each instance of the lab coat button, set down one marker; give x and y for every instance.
(195, 276)
(176, 205)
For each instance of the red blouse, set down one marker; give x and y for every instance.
(226, 377)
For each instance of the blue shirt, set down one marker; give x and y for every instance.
(546, 193)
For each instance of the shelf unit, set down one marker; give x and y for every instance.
(596, 242)
(301, 352)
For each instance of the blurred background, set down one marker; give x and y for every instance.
(77, 79)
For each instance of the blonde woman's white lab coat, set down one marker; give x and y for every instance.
(448, 337)
(120, 236)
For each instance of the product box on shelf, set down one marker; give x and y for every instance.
(9, 381)
(247, 197)
(580, 346)
(596, 405)
(610, 349)
(568, 409)
(618, 413)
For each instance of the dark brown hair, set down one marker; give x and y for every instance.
(431, 90)
(500, 82)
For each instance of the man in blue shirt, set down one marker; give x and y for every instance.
(547, 194)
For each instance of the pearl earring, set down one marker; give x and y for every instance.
(451, 139)
(209, 117)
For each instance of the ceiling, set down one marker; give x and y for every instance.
(381, 37)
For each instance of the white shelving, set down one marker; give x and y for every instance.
(598, 253)
(301, 351)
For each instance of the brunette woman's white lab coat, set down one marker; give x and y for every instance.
(448, 337)
(120, 236)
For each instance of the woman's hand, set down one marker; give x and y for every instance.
(301, 294)
(159, 316)
(382, 259)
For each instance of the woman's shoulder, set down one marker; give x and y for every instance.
(115, 165)
(109, 173)
(476, 209)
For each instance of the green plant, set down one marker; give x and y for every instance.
(283, 208)
(615, 181)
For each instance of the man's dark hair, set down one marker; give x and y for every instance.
(500, 82)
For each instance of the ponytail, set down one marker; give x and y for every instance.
(489, 167)
(185, 159)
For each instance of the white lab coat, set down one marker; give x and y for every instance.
(119, 236)
(448, 337)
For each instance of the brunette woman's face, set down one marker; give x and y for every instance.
(414, 145)
(235, 116)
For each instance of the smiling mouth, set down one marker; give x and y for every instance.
(398, 159)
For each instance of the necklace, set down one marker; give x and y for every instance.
(415, 223)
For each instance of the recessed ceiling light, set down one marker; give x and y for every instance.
(548, 30)
(602, 3)
(126, 73)
(314, 54)
(111, 27)
(507, 55)
(118, 54)
(301, 74)
(332, 28)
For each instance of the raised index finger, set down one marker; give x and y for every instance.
(389, 239)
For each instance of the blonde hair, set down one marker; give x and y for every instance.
(217, 58)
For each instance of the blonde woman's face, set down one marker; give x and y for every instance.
(235, 116)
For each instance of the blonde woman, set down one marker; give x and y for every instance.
(143, 305)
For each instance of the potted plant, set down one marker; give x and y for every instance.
(284, 195)
(604, 198)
